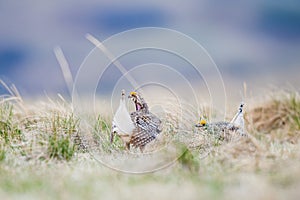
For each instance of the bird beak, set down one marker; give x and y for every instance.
(132, 96)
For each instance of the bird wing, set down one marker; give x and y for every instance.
(147, 128)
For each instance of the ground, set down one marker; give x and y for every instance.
(42, 156)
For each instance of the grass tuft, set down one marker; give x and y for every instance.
(278, 116)
(9, 131)
(61, 147)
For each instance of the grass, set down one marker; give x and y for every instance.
(9, 130)
(43, 154)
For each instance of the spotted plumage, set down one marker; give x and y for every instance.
(225, 130)
(138, 128)
(148, 126)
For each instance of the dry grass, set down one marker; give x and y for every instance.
(277, 116)
(43, 155)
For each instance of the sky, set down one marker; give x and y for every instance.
(257, 42)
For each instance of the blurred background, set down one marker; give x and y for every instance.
(256, 42)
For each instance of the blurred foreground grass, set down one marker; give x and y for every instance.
(43, 156)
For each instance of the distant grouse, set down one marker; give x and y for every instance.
(225, 130)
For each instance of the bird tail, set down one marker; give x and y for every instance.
(113, 132)
(238, 119)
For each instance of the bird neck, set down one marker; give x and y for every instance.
(138, 106)
(141, 107)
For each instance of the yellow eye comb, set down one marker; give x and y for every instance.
(133, 93)
(202, 122)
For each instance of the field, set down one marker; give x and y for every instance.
(43, 156)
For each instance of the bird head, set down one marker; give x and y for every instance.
(201, 123)
(139, 102)
(134, 96)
